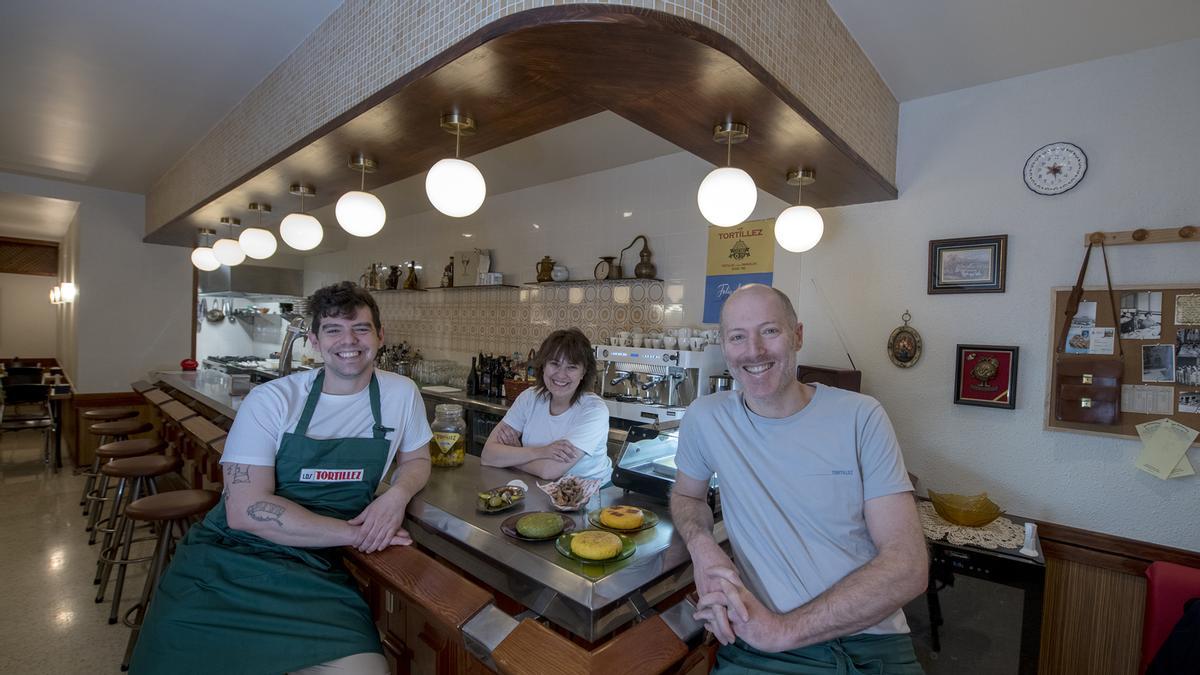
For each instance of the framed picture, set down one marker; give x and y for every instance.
(968, 265)
(986, 375)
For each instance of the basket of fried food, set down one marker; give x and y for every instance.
(973, 511)
(570, 493)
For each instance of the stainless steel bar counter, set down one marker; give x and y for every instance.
(589, 600)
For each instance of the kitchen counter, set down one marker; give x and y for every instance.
(489, 404)
(190, 382)
(589, 600)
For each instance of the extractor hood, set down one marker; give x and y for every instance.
(245, 281)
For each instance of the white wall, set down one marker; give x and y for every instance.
(960, 162)
(28, 325)
(133, 313)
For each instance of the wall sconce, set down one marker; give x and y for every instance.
(69, 291)
(56, 295)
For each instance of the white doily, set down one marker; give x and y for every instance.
(1000, 533)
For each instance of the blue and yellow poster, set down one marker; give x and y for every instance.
(737, 256)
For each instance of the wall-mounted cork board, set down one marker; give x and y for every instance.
(1166, 319)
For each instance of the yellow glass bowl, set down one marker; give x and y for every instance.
(974, 511)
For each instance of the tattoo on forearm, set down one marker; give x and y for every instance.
(266, 512)
(237, 473)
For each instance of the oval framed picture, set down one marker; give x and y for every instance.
(904, 346)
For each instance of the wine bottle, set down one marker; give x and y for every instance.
(473, 379)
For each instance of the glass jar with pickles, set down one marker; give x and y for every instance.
(449, 436)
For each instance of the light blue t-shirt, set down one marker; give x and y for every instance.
(793, 489)
(584, 424)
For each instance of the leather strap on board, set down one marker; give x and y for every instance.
(1076, 296)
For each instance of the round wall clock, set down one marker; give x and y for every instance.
(1055, 168)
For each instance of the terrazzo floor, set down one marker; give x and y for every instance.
(51, 622)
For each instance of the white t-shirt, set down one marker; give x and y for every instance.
(584, 424)
(273, 409)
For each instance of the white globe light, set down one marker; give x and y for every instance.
(301, 231)
(204, 259)
(258, 243)
(455, 187)
(799, 228)
(228, 252)
(360, 213)
(727, 196)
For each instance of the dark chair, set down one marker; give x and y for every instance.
(26, 407)
(23, 376)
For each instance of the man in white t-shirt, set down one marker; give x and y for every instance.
(556, 427)
(817, 505)
(258, 585)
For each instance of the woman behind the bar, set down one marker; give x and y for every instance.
(556, 427)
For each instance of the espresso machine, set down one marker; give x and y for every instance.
(643, 385)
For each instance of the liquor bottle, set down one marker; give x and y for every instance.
(497, 378)
(485, 376)
(473, 379)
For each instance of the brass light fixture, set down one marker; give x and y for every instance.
(359, 212)
(202, 256)
(454, 186)
(799, 227)
(258, 242)
(227, 250)
(300, 230)
(727, 195)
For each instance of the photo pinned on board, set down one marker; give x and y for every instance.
(1141, 315)
(1158, 363)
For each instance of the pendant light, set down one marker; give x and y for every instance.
(227, 250)
(202, 256)
(258, 242)
(799, 228)
(727, 195)
(300, 230)
(359, 212)
(454, 186)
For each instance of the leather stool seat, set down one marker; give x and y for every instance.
(109, 414)
(121, 428)
(146, 466)
(173, 505)
(134, 447)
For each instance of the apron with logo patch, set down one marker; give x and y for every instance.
(233, 602)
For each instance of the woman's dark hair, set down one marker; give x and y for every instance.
(569, 345)
(341, 300)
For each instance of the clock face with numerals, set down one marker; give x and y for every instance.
(1055, 168)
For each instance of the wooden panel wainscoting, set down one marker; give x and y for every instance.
(80, 445)
(1095, 599)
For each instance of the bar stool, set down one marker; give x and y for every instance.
(109, 432)
(116, 451)
(142, 471)
(172, 509)
(101, 415)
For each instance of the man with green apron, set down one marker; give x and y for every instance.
(817, 505)
(258, 586)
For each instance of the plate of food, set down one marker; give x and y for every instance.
(570, 493)
(500, 499)
(595, 546)
(621, 518)
(537, 526)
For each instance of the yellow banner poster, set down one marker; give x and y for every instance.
(737, 256)
(748, 248)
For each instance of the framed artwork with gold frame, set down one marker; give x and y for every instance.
(986, 375)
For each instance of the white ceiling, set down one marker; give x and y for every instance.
(29, 217)
(926, 47)
(110, 94)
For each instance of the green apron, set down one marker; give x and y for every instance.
(233, 602)
(862, 654)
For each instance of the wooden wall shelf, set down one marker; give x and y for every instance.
(465, 288)
(583, 282)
